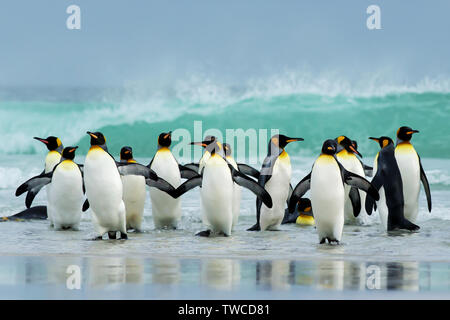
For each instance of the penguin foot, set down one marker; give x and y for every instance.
(205, 233)
(112, 235)
(223, 234)
(123, 236)
(98, 238)
(256, 227)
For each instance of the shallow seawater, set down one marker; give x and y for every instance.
(174, 264)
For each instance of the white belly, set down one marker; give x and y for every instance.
(217, 195)
(327, 198)
(352, 164)
(66, 196)
(134, 193)
(166, 210)
(104, 192)
(382, 209)
(278, 188)
(51, 160)
(408, 163)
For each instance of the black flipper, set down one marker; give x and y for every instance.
(356, 201)
(291, 190)
(370, 204)
(33, 186)
(162, 185)
(251, 185)
(188, 185)
(300, 189)
(248, 170)
(85, 205)
(137, 169)
(37, 212)
(426, 186)
(192, 166)
(187, 173)
(359, 182)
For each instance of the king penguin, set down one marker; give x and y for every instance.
(388, 181)
(275, 177)
(166, 210)
(134, 193)
(346, 154)
(302, 214)
(412, 173)
(55, 148)
(216, 180)
(65, 193)
(326, 181)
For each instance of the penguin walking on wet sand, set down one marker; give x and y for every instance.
(65, 193)
(166, 211)
(134, 193)
(388, 181)
(326, 181)
(216, 180)
(412, 173)
(104, 187)
(347, 156)
(275, 176)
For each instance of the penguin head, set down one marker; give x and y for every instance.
(355, 144)
(69, 153)
(329, 147)
(227, 149)
(281, 141)
(52, 143)
(383, 141)
(165, 139)
(347, 144)
(97, 138)
(206, 142)
(126, 153)
(304, 206)
(405, 133)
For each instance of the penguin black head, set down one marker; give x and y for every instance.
(405, 133)
(347, 144)
(383, 141)
(281, 141)
(165, 139)
(126, 153)
(329, 147)
(52, 143)
(69, 153)
(355, 144)
(97, 138)
(227, 149)
(304, 206)
(206, 142)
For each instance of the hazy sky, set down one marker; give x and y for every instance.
(159, 41)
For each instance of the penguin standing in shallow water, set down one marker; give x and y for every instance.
(216, 180)
(412, 173)
(326, 181)
(166, 211)
(347, 156)
(275, 177)
(388, 181)
(133, 193)
(104, 188)
(65, 193)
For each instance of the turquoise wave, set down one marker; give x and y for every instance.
(314, 117)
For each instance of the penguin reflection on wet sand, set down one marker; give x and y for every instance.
(326, 181)
(104, 188)
(216, 180)
(388, 181)
(412, 173)
(65, 193)
(275, 177)
(134, 193)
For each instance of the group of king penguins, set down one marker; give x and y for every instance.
(115, 191)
